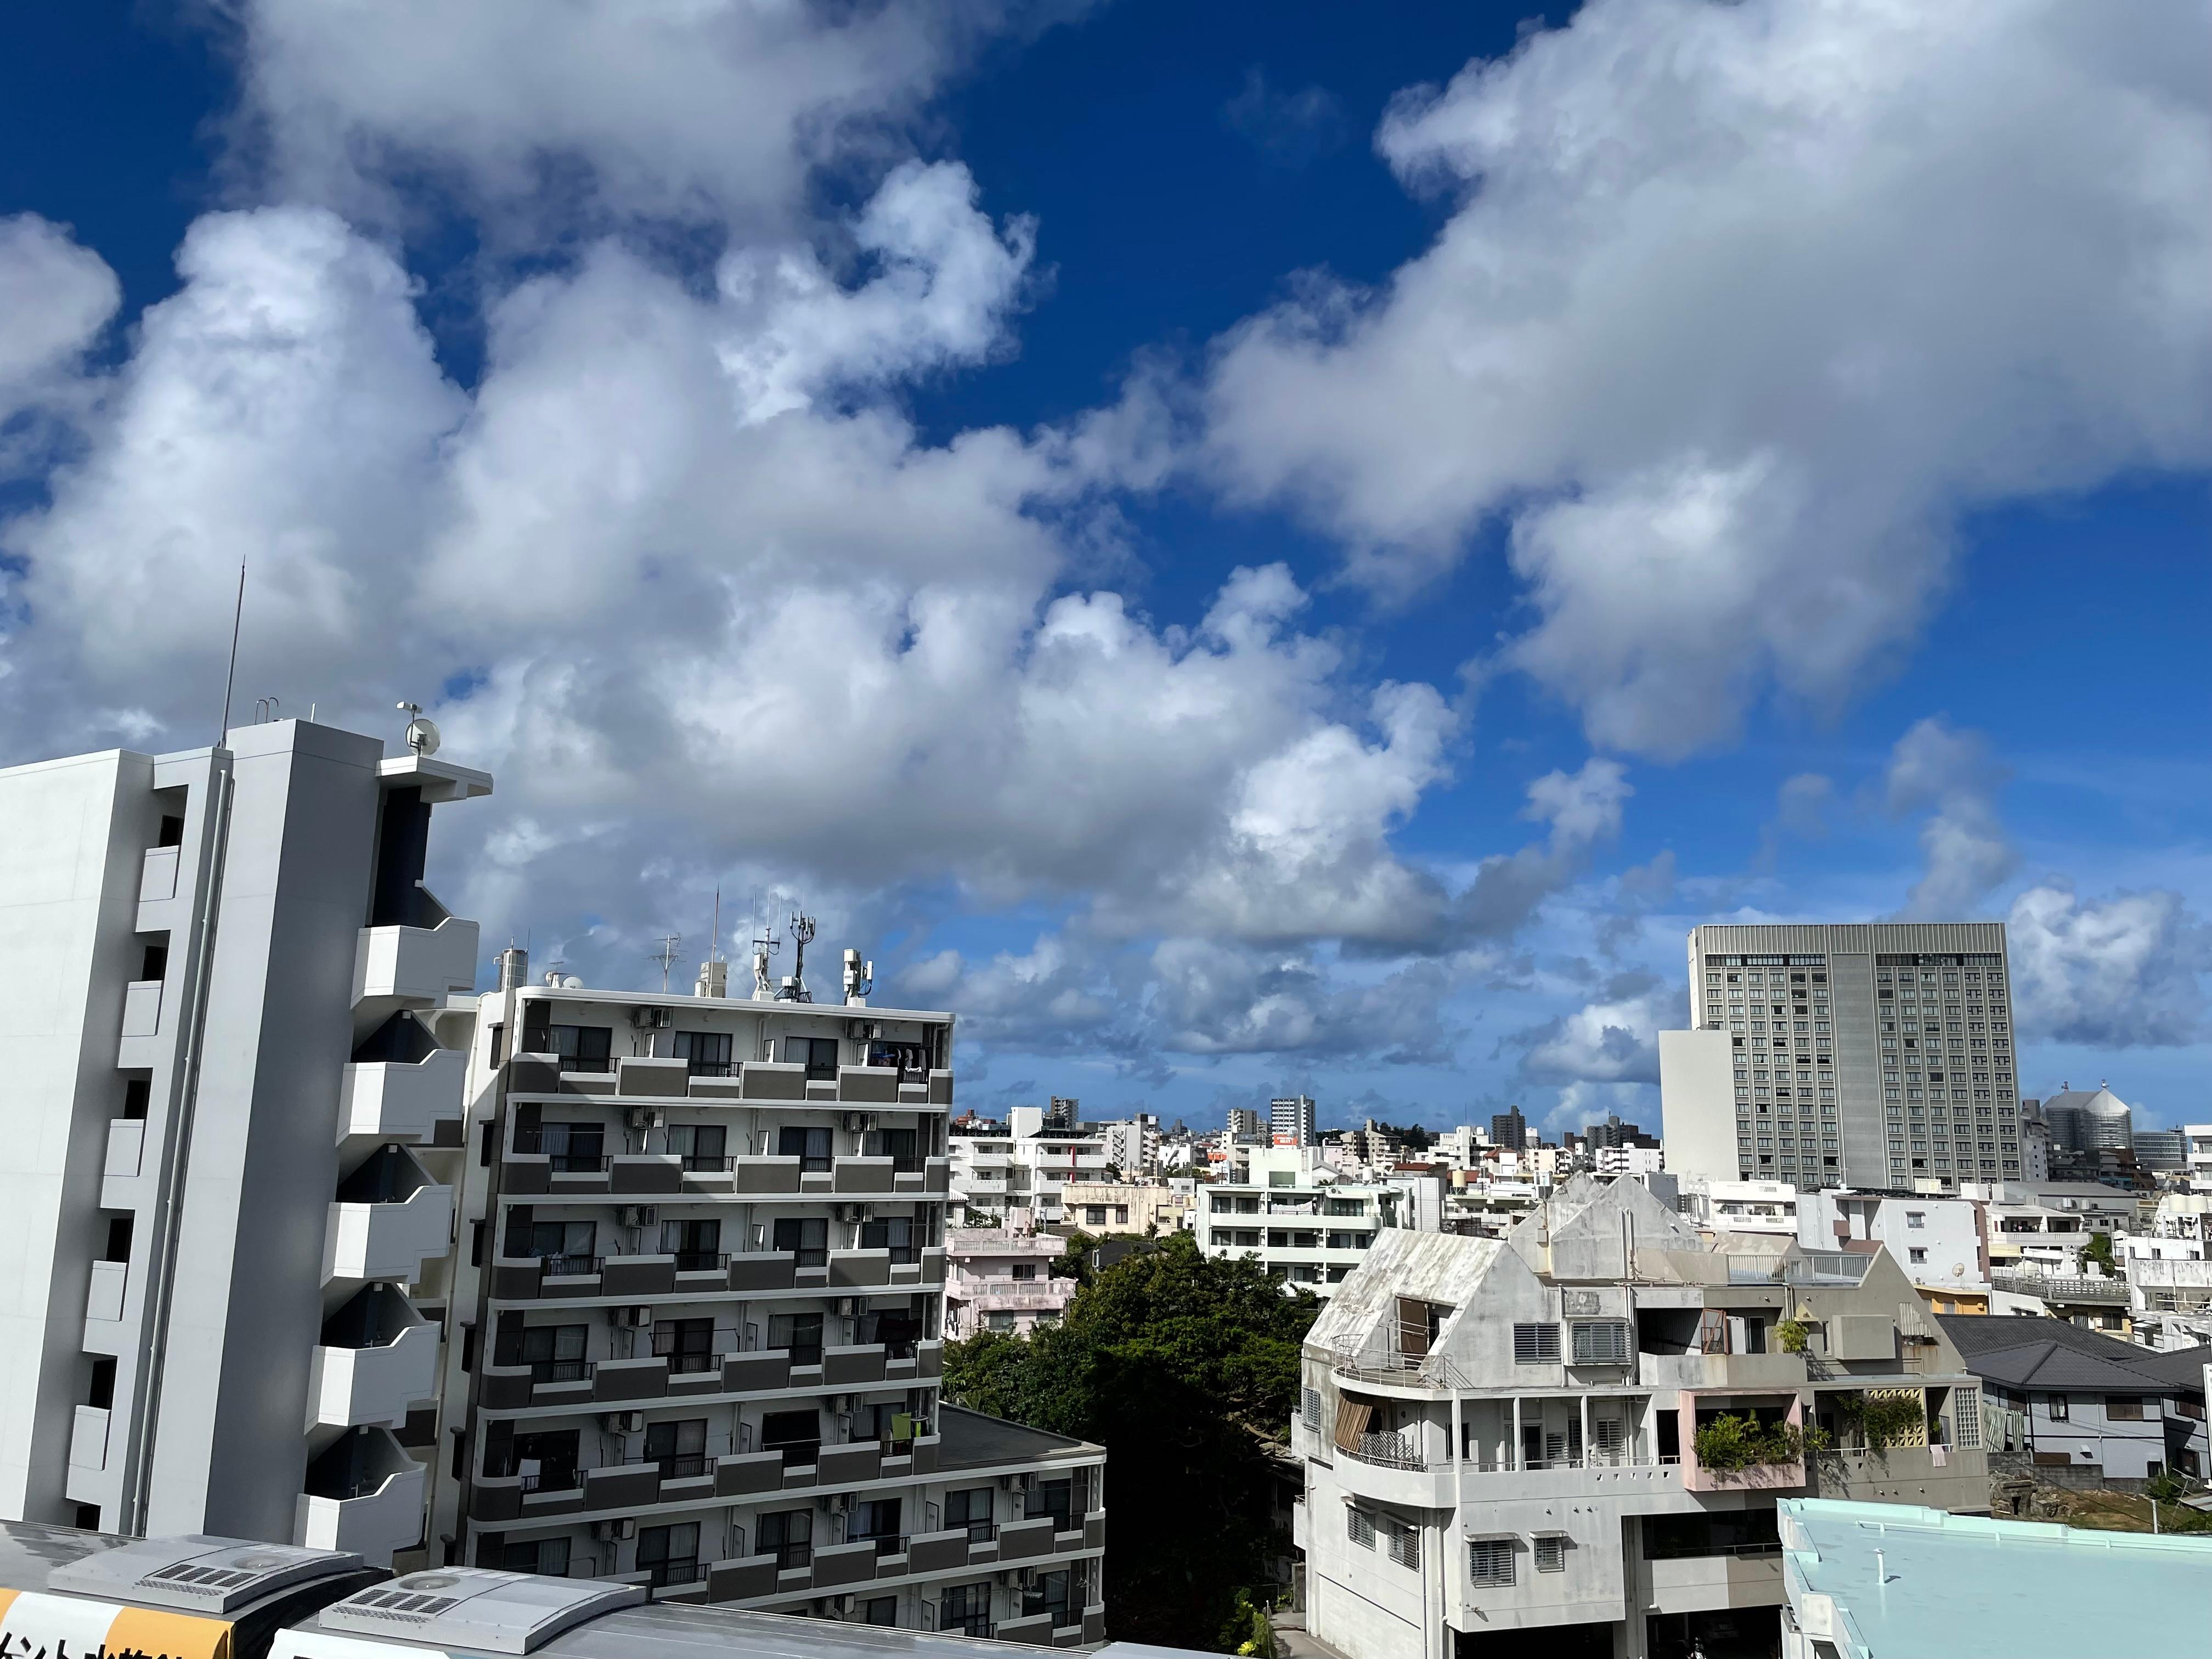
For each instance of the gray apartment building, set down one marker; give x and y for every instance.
(701, 1323)
(223, 987)
(1876, 1056)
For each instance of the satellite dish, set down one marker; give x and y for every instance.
(1957, 1269)
(422, 737)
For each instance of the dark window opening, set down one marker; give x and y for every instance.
(799, 1332)
(137, 1091)
(806, 1237)
(797, 1435)
(117, 1248)
(810, 1147)
(171, 832)
(788, 1536)
(706, 1054)
(99, 1390)
(155, 963)
(687, 1344)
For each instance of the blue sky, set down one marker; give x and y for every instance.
(1237, 546)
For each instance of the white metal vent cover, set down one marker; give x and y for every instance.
(474, 1608)
(198, 1574)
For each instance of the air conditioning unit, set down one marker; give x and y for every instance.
(636, 1318)
(608, 1532)
(624, 1422)
(848, 1307)
(645, 1117)
(851, 1214)
(838, 1502)
(649, 1019)
(858, 1123)
(638, 1215)
(1582, 1302)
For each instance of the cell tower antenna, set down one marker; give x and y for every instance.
(765, 945)
(714, 940)
(802, 932)
(666, 956)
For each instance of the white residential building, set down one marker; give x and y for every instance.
(1291, 1120)
(1744, 1206)
(996, 1279)
(1132, 1206)
(2196, 1152)
(1874, 1055)
(1514, 1446)
(1939, 1242)
(1132, 1146)
(1015, 1173)
(1299, 1216)
(234, 1095)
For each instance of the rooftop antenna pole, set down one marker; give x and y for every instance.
(714, 940)
(230, 676)
(666, 956)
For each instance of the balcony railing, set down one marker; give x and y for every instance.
(2053, 1288)
(553, 1480)
(711, 1067)
(886, 1543)
(675, 1466)
(701, 1262)
(707, 1163)
(571, 1267)
(662, 1574)
(683, 1364)
(561, 1370)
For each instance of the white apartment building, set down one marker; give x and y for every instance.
(1941, 1243)
(1132, 1146)
(1291, 1120)
(1141, 1207)
(225, 989)
(997, 1279)
(2197, 1154)
(1017, 1172)
(1744, 1206)
(1514, 1446)
(1874, 1055)
(701, 1311)
(1300, 1217)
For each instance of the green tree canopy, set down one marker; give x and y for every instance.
(1180, 1364)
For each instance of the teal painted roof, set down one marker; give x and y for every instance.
(1958, 1584)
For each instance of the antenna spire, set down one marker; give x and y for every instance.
(230, 675)
(666, 956)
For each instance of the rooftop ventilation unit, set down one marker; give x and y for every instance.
(199, 1574)
(473, 1609)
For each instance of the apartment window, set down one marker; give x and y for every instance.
(799, 1332)
(555, 1353)
(2059, 1411)
(687, 1344)
(810, 1146)
(1360, 1527)
(2123, 1408)
(1310, 1408)
(1094, 1215)
(546, 1557)
(817, 1054)
(583, 1047)
(797, 1435)
(1536, 1345)
(1045, 1596)
(679, 1449)
(1918, 1254)
(788, 1536)
(706, 1054)
(1551, 1553)
(1490, 1563)
(806, 1237)
(1405, 1545)
(970, 1507)
(965, 1610)
(696, 1244)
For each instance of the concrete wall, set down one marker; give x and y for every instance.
(69, 863)
(1697, 1105)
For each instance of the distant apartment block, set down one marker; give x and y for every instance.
(1291, 1120)
(1015, 1172)
(1298, 1217)
(1870, 1055)
(235, 1099)
(997, 1279)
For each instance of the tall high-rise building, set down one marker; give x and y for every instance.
(233, 1104)
(1509, 1128)
(1866, 1054)
(1291, 1120)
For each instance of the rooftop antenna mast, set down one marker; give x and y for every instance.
(666, 956)
(765, 945)
(230, 675)
(802, 932)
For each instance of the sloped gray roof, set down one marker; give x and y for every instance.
(1442, 1267)
(2053, 1354)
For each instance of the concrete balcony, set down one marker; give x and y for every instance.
(396, 967)
(126, 1146)
(103, 1300)
(389, 1240)
(358, 1388)
(88, 1440)
(1396, 1480)
(1757, 1372)
(140, 1044)
(364, 1495)
(392, 1101)
(1708, 1584)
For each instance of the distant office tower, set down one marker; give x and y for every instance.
(1613, 1133)
(1062, 1113)
(1871, 1055)
(1243, 1123)
(234, 1105)
(1509, 1128)
(1291, 1120)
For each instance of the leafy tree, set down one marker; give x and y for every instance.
(2098, 1252)
(1411, 1136)
(1182, 1365)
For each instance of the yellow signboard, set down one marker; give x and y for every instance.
(37, 1626)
